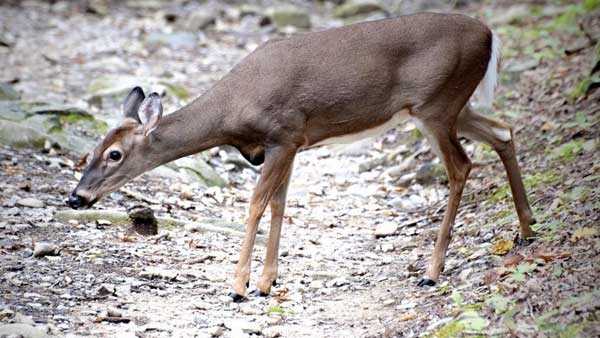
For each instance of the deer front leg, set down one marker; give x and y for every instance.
(278, 161)
(269, 274)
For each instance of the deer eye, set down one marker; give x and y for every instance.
(115, 155)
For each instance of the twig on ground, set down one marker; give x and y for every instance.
(121, 218)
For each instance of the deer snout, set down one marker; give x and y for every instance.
(80, 199)
(76, 201)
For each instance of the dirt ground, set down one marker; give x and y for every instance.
(337, 279)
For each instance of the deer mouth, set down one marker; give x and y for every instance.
(76, 201)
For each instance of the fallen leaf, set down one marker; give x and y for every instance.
(502, 247)
(490, 277)
(545, 255)
(408, 316)
(281, 295)
(583, 233)
(513, 260)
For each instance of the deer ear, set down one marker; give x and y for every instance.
(132, 103)
(150, 113)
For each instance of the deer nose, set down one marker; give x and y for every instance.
(75, 201)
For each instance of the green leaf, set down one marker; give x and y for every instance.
(499, 303)
(473, 321)
(457, 298)
(521, 271)
(568, 151)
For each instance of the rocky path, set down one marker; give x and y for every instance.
(361, 219)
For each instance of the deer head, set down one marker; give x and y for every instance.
(122, 154)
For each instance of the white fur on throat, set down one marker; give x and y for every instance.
(485, 90)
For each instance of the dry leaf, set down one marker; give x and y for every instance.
(512, 260)
(490, 277)
(583, 233)
(408, 316)
(502, 247)
(545, 255)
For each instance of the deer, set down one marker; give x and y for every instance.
(317, 88)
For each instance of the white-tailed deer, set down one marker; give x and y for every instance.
(318, 88)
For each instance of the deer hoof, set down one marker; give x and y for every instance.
(258, 293)
(274, 283)
(522, 241)
(237, 298)
(426, 282)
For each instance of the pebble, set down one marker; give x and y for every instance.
(225, 299)
(215, 331)
(387, 247)
(201, 305)
(386, 229)
(248, 309)
(42, 249)
(22, 330)
(272, 332)
(30, 203)
(152, 273)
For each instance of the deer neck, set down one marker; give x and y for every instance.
(195, 127)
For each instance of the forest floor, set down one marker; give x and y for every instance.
(336, 278)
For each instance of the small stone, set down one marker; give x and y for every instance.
(316, 285)
(7, 92)
(22, 330)
(274, 320)
(157, 273)
(199, 20)
(23, 319)
(103, 222)
(106, 289)
(215, 331)
(250, 310)
(225, 299)
(112, 312)
(338, 282)
(244, 326)
(387, 247)
(272, 332)
(428, 172)
(389, 302)
(42, 249)
(386, 229)
(30, 203)
(6, 313)
(201, 305)
(289, 16)
(357, 7)
(144, 222)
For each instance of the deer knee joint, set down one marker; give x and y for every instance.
(502, 134)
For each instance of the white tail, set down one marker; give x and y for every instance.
(485, 90)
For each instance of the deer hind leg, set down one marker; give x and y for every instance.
(269, 274)
(499, 136)
(278, 162)
(446, 145)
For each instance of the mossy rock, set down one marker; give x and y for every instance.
(355, 8)
(7, 92)
(289, 16)
(197, 168)
(12, 111)
(21, 136)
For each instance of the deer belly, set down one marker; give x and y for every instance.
(393, 122)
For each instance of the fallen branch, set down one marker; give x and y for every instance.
(121, 218)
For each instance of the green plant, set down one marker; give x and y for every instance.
(567, 151)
